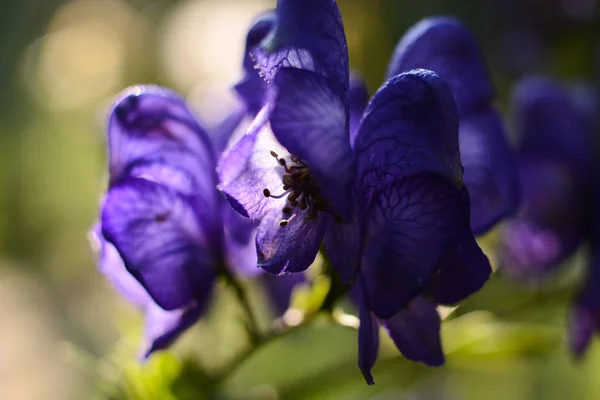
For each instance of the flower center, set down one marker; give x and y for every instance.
(301, 190)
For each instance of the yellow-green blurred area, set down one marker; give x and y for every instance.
(66, 335)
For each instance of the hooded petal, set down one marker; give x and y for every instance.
(148, 122)
(368, 338)
(248, 168)
(416, 332)
(290, 248)
(252, 89)
(262, 25)
(550, 121)
(310, 120)
(445, 46)
(490, 174)
(162, 241)
(462, 272)
(410, 227)
(410, 126)
(309, 35)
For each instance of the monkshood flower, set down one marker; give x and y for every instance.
(161, 233)
(325, 175)
(293, 170)
(444, 45)
(554, 165)
(409, 233)
(417, 246)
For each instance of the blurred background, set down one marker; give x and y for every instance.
(66, 335)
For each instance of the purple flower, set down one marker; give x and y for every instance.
(444, 45)
(554, 164)
(417, 247)
(161, 238)
(299, 143)
(387, 197)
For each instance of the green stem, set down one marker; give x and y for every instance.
(336, 290)
(239, 360)
(243, 299)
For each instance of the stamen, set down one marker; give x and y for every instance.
(301, 190)
(267, 193)
(280, 161)
(294, 199)
(284, 222)
(303, 204)
(288, 180)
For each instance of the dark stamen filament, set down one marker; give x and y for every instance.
(267, 193)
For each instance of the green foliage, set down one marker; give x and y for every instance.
(318, 360)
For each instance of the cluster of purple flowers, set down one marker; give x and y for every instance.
(394, 187)
(555, 163)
